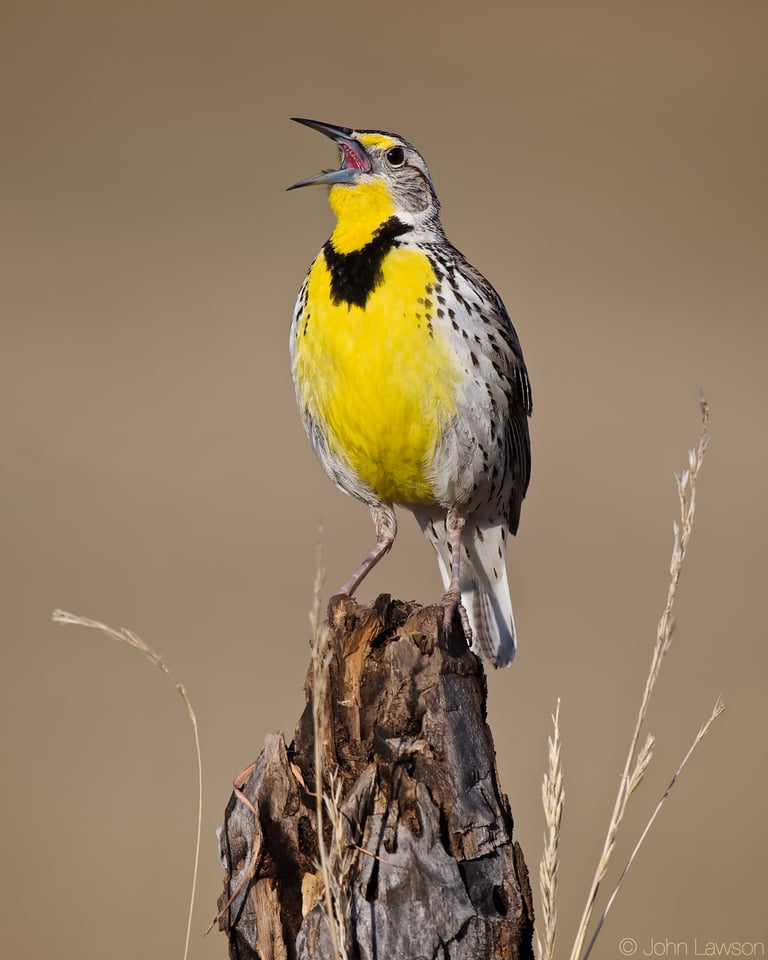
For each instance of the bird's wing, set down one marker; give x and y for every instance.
(517, 387)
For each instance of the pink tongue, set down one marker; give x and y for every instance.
(352, 158)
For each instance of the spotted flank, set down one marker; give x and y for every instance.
(411, 382)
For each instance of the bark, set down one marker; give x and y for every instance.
(418, 835)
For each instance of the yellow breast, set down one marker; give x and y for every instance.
(377, 378)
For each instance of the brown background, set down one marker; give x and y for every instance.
(604, 164)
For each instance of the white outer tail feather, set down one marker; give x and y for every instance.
(484, 585)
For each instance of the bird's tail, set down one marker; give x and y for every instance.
(484, 585)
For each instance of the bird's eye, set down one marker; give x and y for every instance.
(396, 156)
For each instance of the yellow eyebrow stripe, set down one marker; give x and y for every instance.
(376, 141)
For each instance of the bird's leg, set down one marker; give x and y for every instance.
(385, 522)
(451, 601)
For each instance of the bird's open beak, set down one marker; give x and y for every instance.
(354, 159)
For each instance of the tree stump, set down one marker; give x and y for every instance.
(417, 835)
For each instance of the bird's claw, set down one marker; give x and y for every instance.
(451, 603)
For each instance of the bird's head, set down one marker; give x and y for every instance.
(380, 176)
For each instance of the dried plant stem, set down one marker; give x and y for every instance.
(637, 761)
(553, 798)
(716, 711)
(126, 636)
(332, 889)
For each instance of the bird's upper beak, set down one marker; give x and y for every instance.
(354, 159)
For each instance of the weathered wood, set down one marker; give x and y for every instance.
(428, 865)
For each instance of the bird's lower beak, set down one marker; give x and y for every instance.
(354, 159)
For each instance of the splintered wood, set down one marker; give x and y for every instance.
(420, 852)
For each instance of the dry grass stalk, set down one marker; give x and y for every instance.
(637, 760)
(334, 864)
(553, 798)
(716, 711)
(127, 636)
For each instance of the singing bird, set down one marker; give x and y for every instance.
(410, 379)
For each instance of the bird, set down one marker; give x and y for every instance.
(410, 379)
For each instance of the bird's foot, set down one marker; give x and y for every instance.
(451, 604)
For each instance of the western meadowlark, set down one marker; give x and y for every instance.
(410, 379)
